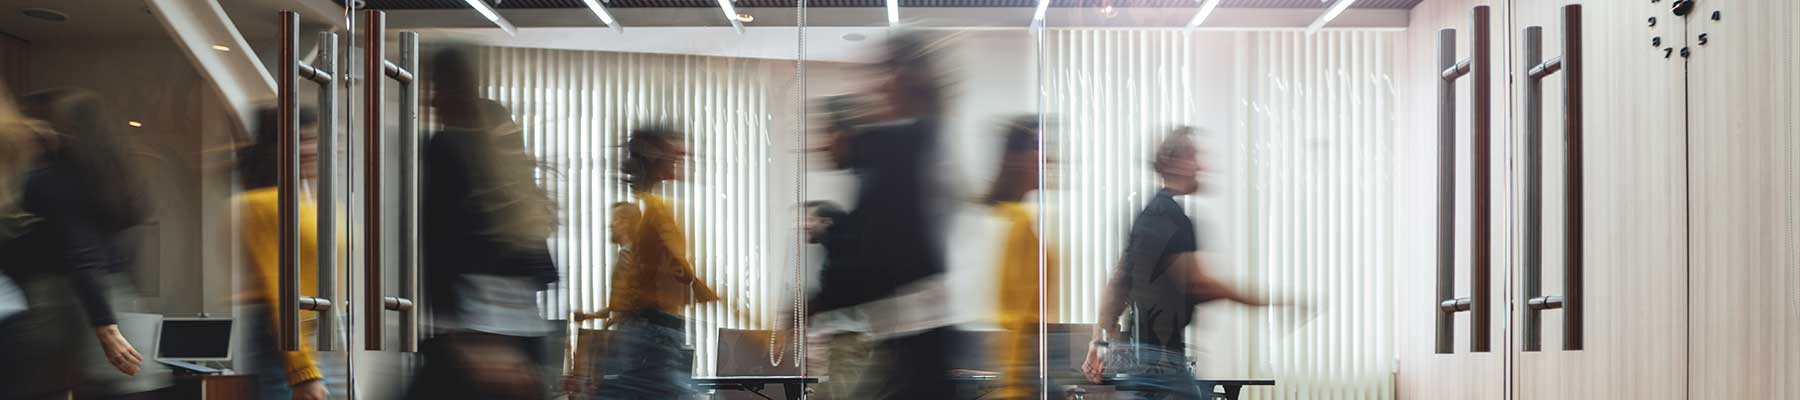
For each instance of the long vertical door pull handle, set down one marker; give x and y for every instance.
(1478, 68)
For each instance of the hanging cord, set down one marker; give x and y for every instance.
(797, 273)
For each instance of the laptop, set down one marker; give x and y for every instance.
(200, 345)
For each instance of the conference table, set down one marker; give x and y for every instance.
(792, 386)
(1221, 389)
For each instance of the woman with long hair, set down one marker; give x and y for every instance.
(77, 195)
(652, 290)
(1025, 289)
(279, 374)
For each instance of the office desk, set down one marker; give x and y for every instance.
(793, 386)
(1223, 389)
(209, 387)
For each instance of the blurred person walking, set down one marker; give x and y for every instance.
(66, 190)
(280, 374)
(650, 292)
(486, 228)
(587, 356)
(1159, 280)
(892, 268)
(1028, 271)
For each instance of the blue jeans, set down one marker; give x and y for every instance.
(1153, 372)
(644, 359)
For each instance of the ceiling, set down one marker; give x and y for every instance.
(122, 19)
(540, 4)
(86, 19)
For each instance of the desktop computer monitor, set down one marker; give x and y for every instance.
(194, 339)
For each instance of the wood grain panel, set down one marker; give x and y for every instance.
(1744, 85)
(1636, 208)
(1422, 374)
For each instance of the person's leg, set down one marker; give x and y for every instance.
(647, 362)
(921, 366)
(1156, 373)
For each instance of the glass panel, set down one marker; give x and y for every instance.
(1209, 154)
(663, 139)
(926, 125)
(154, 151)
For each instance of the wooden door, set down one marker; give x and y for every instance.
(1423, 372)
(1634, 212)
(1744, 98)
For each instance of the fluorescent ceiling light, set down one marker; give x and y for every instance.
(135, 124)
(481, 6)
(220, 47)
(1206, 9)
(893, 12)
(1332, 13)
(731, 15)
(606, 17)
(1043, 6)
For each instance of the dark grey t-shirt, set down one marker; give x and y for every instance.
(1159, 307)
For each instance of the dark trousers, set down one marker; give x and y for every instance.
(916, 367)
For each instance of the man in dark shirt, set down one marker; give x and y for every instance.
(1159, 279)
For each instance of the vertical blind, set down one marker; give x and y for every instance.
(1320, 122)
(577, 108)
(1315, 119)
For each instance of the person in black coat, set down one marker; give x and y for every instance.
(486, 255)
(78, 195)
(886, 256)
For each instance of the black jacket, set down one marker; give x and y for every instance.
(64, 239)
(891, 238)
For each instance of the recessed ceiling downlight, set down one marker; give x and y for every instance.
(45, 14)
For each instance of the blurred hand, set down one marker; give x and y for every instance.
(311, 390)
(118, 351)
(581, 316)
(1095, 365)
(574, 384)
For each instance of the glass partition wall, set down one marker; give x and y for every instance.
(735, 199)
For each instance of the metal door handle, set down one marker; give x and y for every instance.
(375, 67)
(1478, 68)
(290, 70)
(1537, 70)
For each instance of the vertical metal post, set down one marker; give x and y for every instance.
(287, 181)
(327, 190)
(1481, 304)
(409, 225)
(1446, 229)
(1532, 95)
(1572, 122)
(375, 24)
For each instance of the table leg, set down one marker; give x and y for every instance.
(1231, 391)
(793, 390)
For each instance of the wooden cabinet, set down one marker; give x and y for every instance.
(1692, 260)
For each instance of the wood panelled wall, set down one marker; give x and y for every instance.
(1744, 107)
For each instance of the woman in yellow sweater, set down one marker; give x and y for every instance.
(279, 373)
(650, 292)
(1027, 288)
